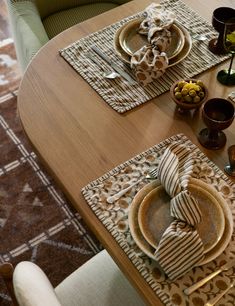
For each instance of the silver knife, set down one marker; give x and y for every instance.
(115, 67)
(200, 283)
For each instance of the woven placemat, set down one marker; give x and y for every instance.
(115, 218)
(118, 93)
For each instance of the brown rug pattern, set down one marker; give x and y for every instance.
(36, 222)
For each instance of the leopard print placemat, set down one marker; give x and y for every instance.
(115, 218)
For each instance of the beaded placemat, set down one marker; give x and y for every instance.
(115, 218)
(122, 96)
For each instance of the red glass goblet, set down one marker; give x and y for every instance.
(217, 114)
(220, 16)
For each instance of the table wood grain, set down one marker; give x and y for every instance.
(79, 137)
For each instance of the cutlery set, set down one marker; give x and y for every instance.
(107, 73)
(114, 66)
(216, 299)
(203, 281)
(151, 175)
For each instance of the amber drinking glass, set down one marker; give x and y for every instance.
(220, 16)
(217, 114)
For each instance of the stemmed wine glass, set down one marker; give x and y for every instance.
(230, 168)
(220, 16)
(217, 114)
(227, 76)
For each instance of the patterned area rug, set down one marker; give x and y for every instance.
(36, 222)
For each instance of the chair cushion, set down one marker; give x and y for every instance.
(60, 21)
(99, 282)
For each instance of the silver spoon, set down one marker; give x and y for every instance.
(110, 74)
(106, 73)
(199, 37)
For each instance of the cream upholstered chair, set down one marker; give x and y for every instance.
(34, 22)
(98, 282)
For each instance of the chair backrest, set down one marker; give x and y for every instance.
(48, 7)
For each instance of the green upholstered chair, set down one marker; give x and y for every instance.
(34, 22)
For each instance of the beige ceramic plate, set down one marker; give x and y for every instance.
(154, 216)
(149, 250)
(177, 59)
(133, 219)
(131, 41)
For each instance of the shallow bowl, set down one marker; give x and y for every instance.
(182, 106)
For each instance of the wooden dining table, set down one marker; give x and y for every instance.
(79, 137)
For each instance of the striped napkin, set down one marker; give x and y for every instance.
(180, 248)
(151, 61)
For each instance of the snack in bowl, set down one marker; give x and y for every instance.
(189, 93)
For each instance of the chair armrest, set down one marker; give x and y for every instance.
(32, 287)
(27, 29)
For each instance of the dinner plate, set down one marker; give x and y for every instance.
(174, 61)
(133, 219)
(131, 41)
(149, 250)
(154, 216)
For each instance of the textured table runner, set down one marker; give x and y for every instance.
(115, 218)
(122, 96)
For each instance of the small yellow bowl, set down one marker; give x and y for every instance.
(183, 105)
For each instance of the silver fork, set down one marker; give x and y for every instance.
(151, 175)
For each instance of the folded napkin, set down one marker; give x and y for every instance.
(180, 248)
(150, 62)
